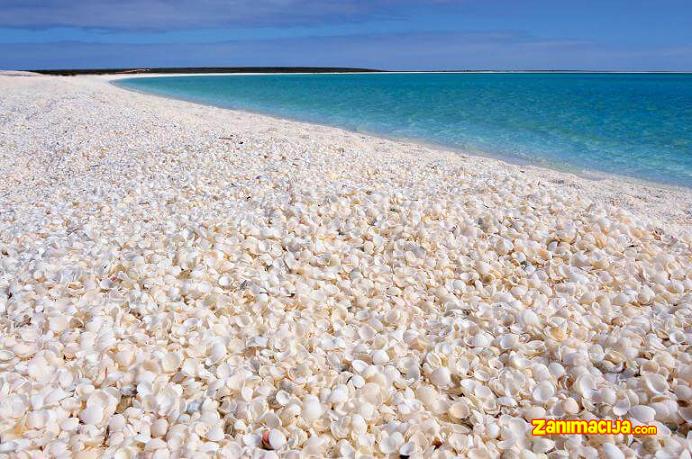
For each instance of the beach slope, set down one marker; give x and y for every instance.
(177, 279)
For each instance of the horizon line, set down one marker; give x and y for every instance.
(313, 69)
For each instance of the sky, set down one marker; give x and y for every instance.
(380, 34)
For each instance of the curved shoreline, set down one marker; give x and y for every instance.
(556, 165)
(608, 186)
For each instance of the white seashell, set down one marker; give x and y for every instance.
(155, 444)
(584, 386)
(643, 413)
(534, 412)
(359, 366)
(92, 415)
(159, 428)
(508, 341)
(358, 381)
(215, 434)
(482, 340)
(39, 369)
(117, 423)
(478, 453)
(276, 439)
(408, 449)
(570, 406)
(542, 445)
(371, 393)
(528, 318)
(358, 424)
(608, 395)
(70, 424)
(543, 392)
(170, 362)
(459, 410)
(390, 444)
(686, 413)
(380, 357)
(441, 377)
(610, 451)
(339, 394)
(622, 406)
(655, 383)
(217, 352)
(312, 409)
(282, 398)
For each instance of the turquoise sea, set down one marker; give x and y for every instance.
(638, 125)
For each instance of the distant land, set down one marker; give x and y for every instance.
(201, 70)
(204, 70)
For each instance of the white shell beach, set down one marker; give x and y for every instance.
(179, 280)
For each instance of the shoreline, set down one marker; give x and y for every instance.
(181, 280)
(615, 183)
(587, 174)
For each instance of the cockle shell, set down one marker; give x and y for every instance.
(312, 409)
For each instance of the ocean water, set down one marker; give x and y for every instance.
(637, 125)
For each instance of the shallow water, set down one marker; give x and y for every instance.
(639, 125)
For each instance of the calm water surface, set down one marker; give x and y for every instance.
(638, 125)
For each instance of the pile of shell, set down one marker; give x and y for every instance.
(334, 306)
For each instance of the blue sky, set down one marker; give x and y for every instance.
(385, 34)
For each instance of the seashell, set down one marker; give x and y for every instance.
(478, 453)
(542, 445)
(408, 449)
(155, 444)
(610, 451)
(170, 362)
(358, 424)
(70, 424)
(390, 444)
(216, 433)
(371, 393)
(534, 412)
(608, 395)
(117, 423)
(92, 415)
(459, 410)
(359, 366)
(273, 439)
(622, 406)
(655, 383)
(441, 377)
(282, 398)
(159, 428)
(358, 381)
(686, 413)
(312, 409)
(380, 357)
(584, 386)
(666, 410)
(339, 394)
(508, 341)
(570, 406)
(643, 413)
(543, 392)
(528, 318)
